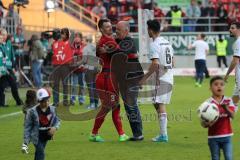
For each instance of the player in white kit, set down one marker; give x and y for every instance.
(161, 55)
(235, 64)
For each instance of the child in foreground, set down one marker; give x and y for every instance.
(40, 125)
(220, 132)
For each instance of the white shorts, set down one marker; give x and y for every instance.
(162, 93)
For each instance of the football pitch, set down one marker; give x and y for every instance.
(187, 139)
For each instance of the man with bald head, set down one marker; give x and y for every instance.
(128, 71)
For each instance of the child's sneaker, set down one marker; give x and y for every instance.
(95, 138)
(123, 138)
(160, 138)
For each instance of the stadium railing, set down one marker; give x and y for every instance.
(79, 12)
(10, 24)
(209, 22)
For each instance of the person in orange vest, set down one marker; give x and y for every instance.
(61, 60)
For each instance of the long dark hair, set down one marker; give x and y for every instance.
(31, 98)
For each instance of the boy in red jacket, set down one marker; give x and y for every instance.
(220, 132)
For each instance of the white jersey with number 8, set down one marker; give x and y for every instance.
(162, 50)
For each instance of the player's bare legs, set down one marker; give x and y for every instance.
(162, 117)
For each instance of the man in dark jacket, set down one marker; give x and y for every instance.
(128, 71)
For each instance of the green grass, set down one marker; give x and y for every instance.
(188, 140)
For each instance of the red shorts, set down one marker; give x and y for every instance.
(107, 89)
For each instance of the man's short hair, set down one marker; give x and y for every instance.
(202, 35)
(101, 22)
(236, 23)
(215, 78)
(154, 25)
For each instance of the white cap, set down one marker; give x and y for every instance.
(42, 94)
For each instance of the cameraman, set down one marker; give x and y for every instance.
(61, 59)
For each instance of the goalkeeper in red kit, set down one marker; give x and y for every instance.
(106, 84)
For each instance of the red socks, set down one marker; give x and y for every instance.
(117, 120)
(115, 117)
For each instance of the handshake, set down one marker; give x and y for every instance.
(24, 148)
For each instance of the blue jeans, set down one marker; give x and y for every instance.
(78, 79)
(215, 144)
(36, 72)
(40, 150)
(200, 66)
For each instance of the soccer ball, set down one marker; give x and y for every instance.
(208, 112)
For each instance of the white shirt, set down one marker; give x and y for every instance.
(162, 50)
(236, 52)
(200, 49)
(89, 56)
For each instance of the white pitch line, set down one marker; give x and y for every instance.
(10, 115)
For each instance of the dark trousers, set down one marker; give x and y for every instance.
(11, 81)
(40, 150)
(200, 66)
(60, 74)
(129, 93)
(206, 72)
(222, 59)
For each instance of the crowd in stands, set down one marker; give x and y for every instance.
(195, 17)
